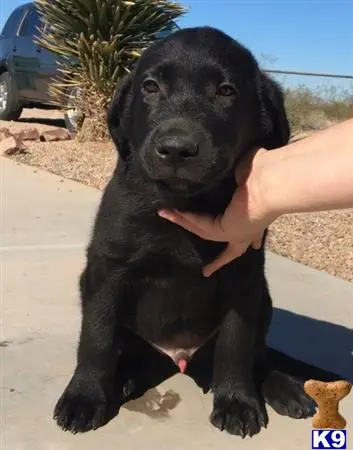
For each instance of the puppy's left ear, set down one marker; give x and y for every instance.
(118, 116)
(275, 125)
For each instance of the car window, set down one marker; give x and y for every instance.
(32, 21)
(12, 23)
(172, 27)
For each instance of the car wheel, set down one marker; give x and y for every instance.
(9, 107)
(73, 115)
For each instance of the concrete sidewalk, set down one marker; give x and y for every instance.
(45, 226)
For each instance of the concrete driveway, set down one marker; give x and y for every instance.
(45, 223)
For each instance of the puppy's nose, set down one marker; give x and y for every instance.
(176, 149)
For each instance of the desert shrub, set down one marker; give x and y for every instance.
(316, 109)
(98, 41)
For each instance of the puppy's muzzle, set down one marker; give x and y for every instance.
(175, 150)
(178, 153)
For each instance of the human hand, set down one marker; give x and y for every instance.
(243, 222)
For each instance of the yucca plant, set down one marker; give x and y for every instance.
(98, 42)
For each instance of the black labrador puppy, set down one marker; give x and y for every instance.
(193, 106)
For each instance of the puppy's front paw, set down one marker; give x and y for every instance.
(81, 407)
(242, 415)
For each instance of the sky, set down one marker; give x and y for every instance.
(311, 35)
(308, 36)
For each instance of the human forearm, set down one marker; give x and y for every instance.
(313, 174)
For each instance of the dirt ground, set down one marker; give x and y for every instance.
(323, 241)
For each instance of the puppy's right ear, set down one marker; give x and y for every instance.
(118, 116)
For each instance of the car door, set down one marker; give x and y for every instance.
(25, 56)
(48, 71)
(34, 65)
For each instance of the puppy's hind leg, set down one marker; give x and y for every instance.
(290, 376)
(283, 392)
(143, 368)
(286, 395)
(200, 368)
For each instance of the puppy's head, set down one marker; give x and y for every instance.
(194, 104)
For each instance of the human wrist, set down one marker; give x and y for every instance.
(262, 191)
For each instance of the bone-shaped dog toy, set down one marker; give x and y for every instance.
(327, 397)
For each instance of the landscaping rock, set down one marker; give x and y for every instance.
(58, 134)
(10, 146)
(28, 134)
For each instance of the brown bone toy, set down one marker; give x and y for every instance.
(327, 397)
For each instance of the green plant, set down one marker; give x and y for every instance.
(98, 41)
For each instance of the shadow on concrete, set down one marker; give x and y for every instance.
(322, 344)
(43, 121)
(154, 404)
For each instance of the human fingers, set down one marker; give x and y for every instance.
(230, 253)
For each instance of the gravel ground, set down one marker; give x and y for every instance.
(323, 241)
(88, 163)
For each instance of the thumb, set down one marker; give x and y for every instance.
(224, 258)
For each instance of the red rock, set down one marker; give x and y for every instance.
(58, 134)
(29, 134)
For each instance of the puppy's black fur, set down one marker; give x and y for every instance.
(194, 105)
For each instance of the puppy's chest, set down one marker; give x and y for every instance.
(176, 308)
(177, 316)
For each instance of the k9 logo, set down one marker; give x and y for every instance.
(322, 439)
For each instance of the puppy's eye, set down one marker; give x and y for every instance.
(226, 90)
(150, 86)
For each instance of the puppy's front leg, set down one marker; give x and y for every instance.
(237, 407)
(85, 402)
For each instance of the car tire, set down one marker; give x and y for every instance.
(72, 115)
(9, 107)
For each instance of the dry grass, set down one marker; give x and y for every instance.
(313, 110)
(322, 240)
